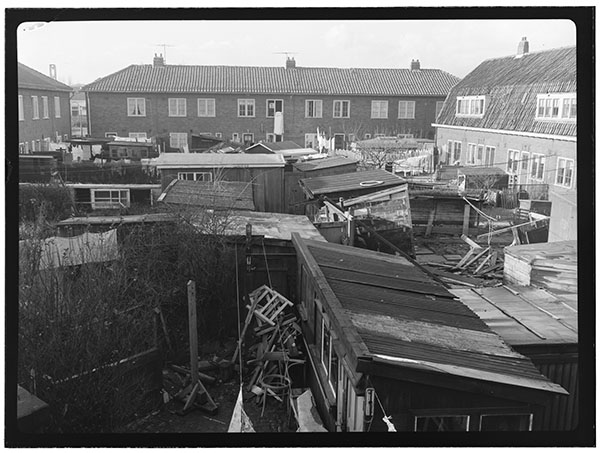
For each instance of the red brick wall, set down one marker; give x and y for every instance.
(30, 129)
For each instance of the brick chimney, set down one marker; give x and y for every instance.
(290, 63)
(415, 65)
(53, 71)
(523, 47)
(159, 61)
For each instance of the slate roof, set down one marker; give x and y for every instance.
(350, 181)
(220, 195)
(511, 86)
(275, 80)
(406, 318)
(32, 79)
(212, 160)
(326, 162)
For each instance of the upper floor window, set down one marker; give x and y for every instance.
(564, 172)
(206, 107)
(470, 106)
(379, 109)
(556, 106)
(406, 109)
(57, 108)
(178, 139)
(341, 109)
(512, 166)
(177, 107)
(313, 108)
(36, 108)
(21, 110)
(538, 163)
(136, 107)
(45, 107)
(273, 106)
(246, 107)
(438, 107)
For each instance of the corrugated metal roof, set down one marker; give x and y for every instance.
(213, 160)
(510, 86)
(215, 195)
(32, 79)
(327, 162)
(403, 314)
(274, 80)
(357, 180)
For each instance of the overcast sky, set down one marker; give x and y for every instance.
(85, 51)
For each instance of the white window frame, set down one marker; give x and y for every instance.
(195, 176)
(21, 109)
(513, 162)
(207, 107)
(471, 153)
(327, 366)
(556, 107)
(317, 108)
(117, 198)
(235, 137)
(244, 134)
(45, 114)
(470, 106)
(538, 166)
(490, 151)
(311, 138)
(270, 137)
(379, 109)
(177, 107)
(524, 164)
(57, 107)
(563, 176)
(177, 137)
(219, 134)
(340, 103)
(452, 147)
(35, 115)
(275, 101)
(404, 112)
(110, 134)
(245, 104)
(136, 107)
(138, 135)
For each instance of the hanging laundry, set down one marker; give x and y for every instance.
(240, 422)
(390, 425)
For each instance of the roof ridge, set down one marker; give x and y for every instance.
(531, 53)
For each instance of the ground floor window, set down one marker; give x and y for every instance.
(178, 140)
(506, 422)
(310, 141)
(442, 423)
(564, 172)
(235, 137)
(194, 176)
(107, 199)
(270, 137)
(248, 138)
(490, 152)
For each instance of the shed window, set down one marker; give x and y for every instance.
(107, 199)
(194, 176)
(506, 422)
(442, 423)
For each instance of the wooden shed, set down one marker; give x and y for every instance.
(392, 349)
(544, 328)
(113, 196)
(264, 171)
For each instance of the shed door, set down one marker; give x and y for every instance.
(338, 141)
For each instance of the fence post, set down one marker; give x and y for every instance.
(191, 288)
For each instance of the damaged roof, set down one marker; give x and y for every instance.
(215, 195)
(326, 162)
(406, 318)
(345, 182)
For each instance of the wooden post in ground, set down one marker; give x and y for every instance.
(191, 288)
(466, 215)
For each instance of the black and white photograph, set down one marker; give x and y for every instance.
(324, 227)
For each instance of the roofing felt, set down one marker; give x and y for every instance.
(356, 180)
(275, 80)
(118, 219)
(213, 160)
(32, 79)
(215, 195)
(523, 315)
(276, 146)
(387, 301)
(511, 86)
(565, 251)
(327, 162)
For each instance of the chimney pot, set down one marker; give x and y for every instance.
(523, 47)
(158, 61)
(290, 63)
(415, 65)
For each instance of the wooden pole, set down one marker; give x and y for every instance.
(466, 214)
(191, 288)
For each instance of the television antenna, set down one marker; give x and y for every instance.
(287, 53)
(164, 46)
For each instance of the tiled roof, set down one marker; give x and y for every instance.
(405, 317)
(357, 180)
(275, 80)
(221, 195)
(510, 86)
(213, 160)
(32, 79)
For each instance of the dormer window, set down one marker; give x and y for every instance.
(556, 106)
(472, 106)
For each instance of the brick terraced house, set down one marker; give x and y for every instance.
(44, 111)
(241, 103)
(519, 113)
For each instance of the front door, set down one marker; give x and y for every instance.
(338, 141)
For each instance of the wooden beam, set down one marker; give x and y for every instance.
(430, 223)
(466, 214)
(191, 288)
(503, 230)
(470, 242)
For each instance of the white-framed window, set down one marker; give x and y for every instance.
(247, 138)
(21, 109)
(74, 110)
(195, 176)
(110, 134)
(45, 114)
(57, 107)
(506, 422)
(177, 107)
(23, 147)
(270, 137)
(556, 106)
(313, 108)
(471, 153)
(379, 109)
(246, 107)
(138, 135)
(490, 154)
(219, 134)
(206, 107)
(538, 164)
(341, 109)
(367, 136)
(564, 172)
(438, 107)
(178, 139)
(524, 161)
(109, 198)
(235, 137)
(329, 358)
(273, 106)
(479, 157)
(406, 110)
(442, 422)
(136, 107)
(512, 166)
(470, 106)
(311, 141)
(36, 108)
(454, 151)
